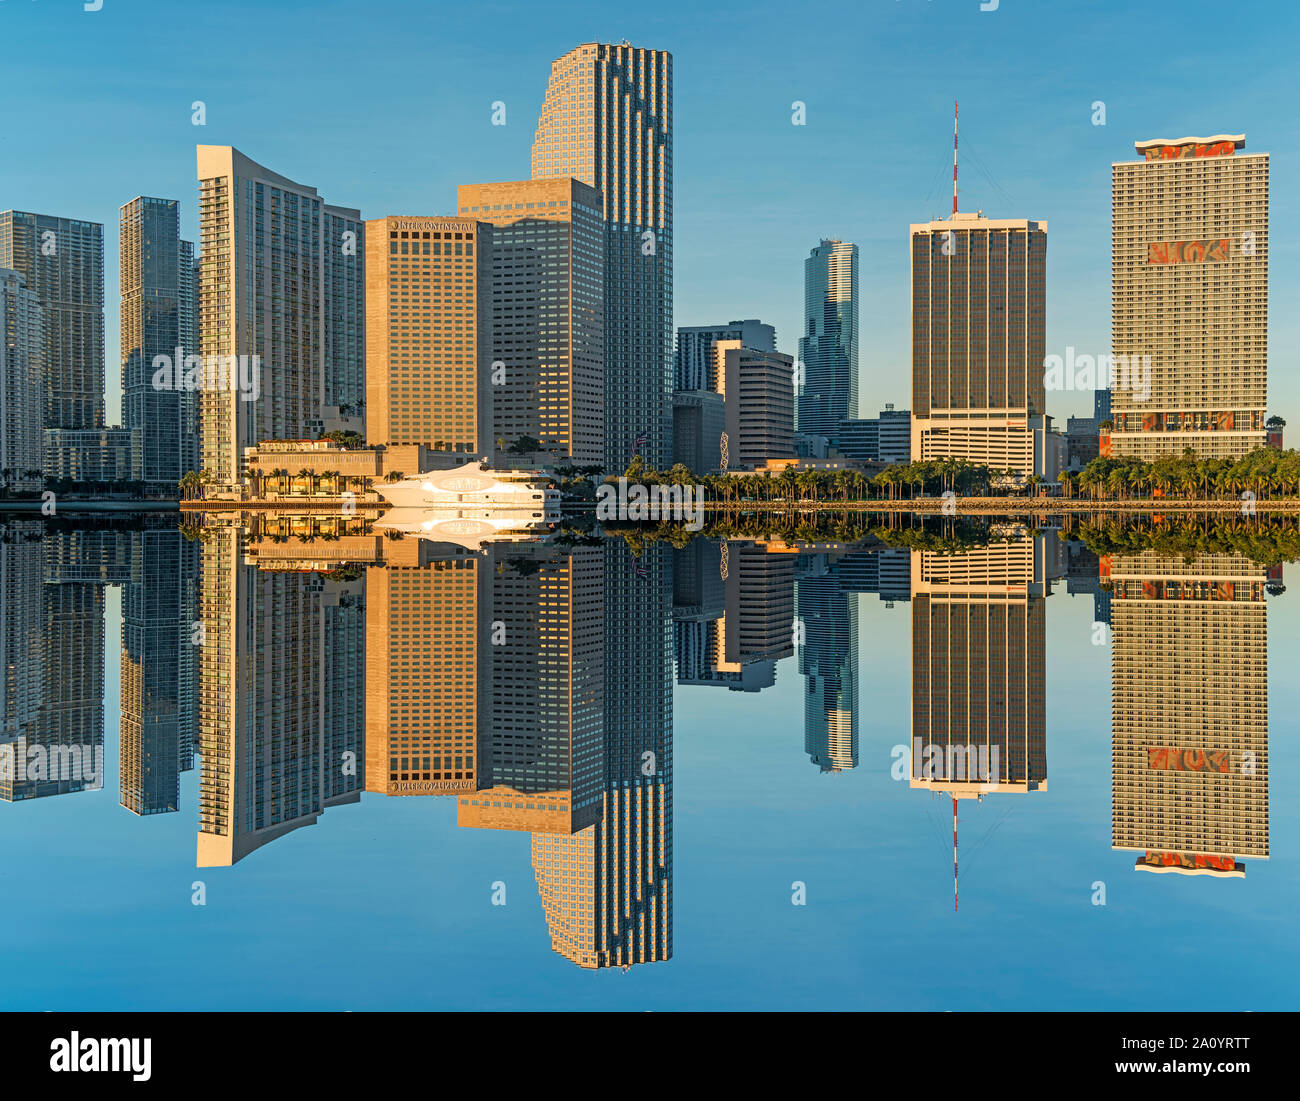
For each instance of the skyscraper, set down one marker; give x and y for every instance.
(828, 348)
(1190, 298)
(157, 314)
(979, 304)
(281, 279)
(608, 121)
(22, 383)
(428, 333)
(62, 262)
(547, 325)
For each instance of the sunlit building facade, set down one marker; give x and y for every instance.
(607, 121)
(1189, 289)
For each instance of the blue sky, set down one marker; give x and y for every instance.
(387, 106)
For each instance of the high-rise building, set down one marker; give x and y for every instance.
(1189, 701)
(699, 427)
(62, 262)
(22, 383)
(547, 325)
(157, 318)
(696, 367)
(281, 289)
(979, 305)
(1189, 286)
(758, 404)
(608, 121)
(428, 333)
(828, 348)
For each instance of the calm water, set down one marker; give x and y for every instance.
(261, 769)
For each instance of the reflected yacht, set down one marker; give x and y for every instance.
(475, 488)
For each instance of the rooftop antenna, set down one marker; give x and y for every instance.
(954, 159)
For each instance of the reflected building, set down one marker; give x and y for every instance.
(1189, 699)
(979, 705)
(733, 613)
(828, 658)
(422, 684)
(280, 741)
(607, 889)
(62, 752)
(22, 634)
(541, 725)
(159, 662)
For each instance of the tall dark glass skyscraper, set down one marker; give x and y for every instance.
(828, 348)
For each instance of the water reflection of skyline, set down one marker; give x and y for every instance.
(532, 682)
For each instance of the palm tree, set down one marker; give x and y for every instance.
(394, 476)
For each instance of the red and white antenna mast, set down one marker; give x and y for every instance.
(954, 829)
(954, 158)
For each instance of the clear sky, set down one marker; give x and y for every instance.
(387, 105)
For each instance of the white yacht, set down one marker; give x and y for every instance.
(474, 489)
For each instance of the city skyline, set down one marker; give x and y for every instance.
(1060, 173)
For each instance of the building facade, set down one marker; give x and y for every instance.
(607, 121)
(828, 348)
(62, 263)
(428, 333)
(22, 384)
(695, 362)
(1189, 288)
(547, 324)
(1189, 702)
(156, 277)
(979, 307)
(886, 438)
(278, 337)
(758, 397)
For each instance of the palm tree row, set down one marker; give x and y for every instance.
(1266, 472)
